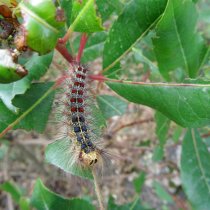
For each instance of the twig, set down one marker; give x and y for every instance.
(97, 189)
(131, 124)
(40, 141)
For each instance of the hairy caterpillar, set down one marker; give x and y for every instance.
(75, 113)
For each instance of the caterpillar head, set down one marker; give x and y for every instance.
(89, 159)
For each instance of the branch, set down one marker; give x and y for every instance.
(64, 52)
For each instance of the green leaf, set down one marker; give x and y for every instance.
(179, 102)
(130, 27)
(158, 153)
(129, 206)
(138, 53)
(177, 133)
(58, 153)
(84, 18)
(44, 199)
(9, 91)
(114, 72)
(9, 70)
(195, 170)
(97, 118)
(37, 67)
(41, 25)
(12, 189)
(24, 204)
(162, 126)
(106, 8)
(161, 193)
(176, 43)
(34, 108)
(111, 106)
(138, 182)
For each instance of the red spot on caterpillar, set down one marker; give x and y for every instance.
(73, 100)
(74, 91)
(81, 84)
(76, 83)
(79, 100)
(73, 109)
(79, 68)
(79, 76)
(81, 109)
(84, 70)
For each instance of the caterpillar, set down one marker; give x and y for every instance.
(76, 115)
(88, 153)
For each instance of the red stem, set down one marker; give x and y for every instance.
(83, 42)
(64, 52)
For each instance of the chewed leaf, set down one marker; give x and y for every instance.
(40, 24)
(186, 104)
(44, 199)
(84, 18)
(59, 154)
(9, 70)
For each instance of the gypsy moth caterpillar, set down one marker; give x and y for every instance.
(76, 116)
